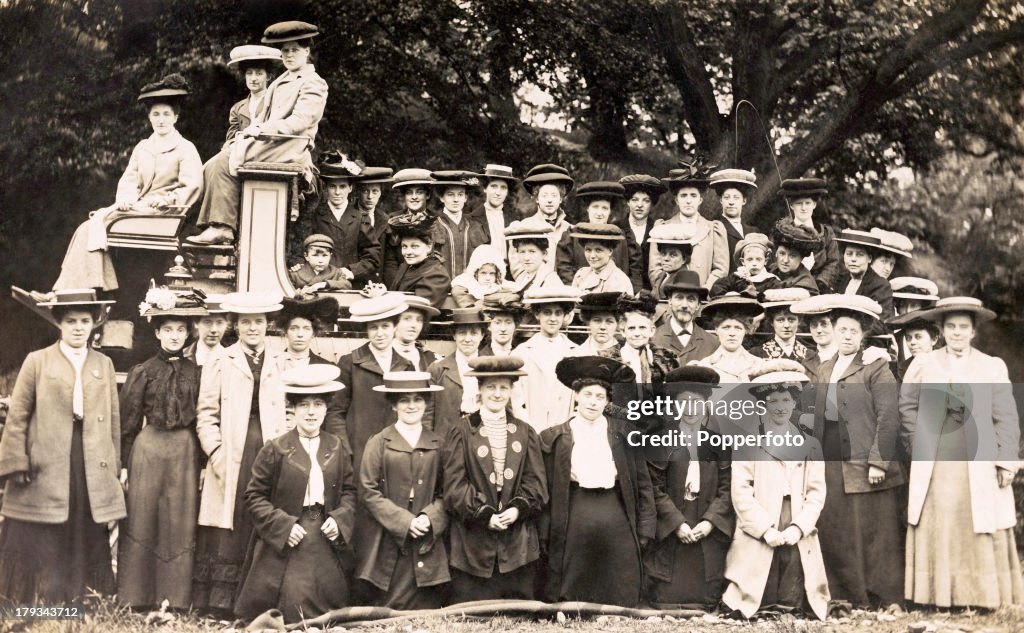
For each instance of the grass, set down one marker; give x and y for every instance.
(106, 616)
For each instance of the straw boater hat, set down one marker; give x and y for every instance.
(496, 367)
(839, 303)
(410, 177)
(753, 239)
(859, 238)
(376, 176)
(291, 31)
(252, 302)
(777, 298)
(600, 190)
(597, 303)
(213, 304)
(893, 242)
(532, 228)
(498, 172)
(83, 297)
(684, 281)
(323, 309)
(569, 370)
(670, 233)
(796, 188)
(797, 238)
(914, 288)
(312, 379)
(254, 53)
(407, 382)
(337, 166)
(779, 372)
(454, 178)
(567, 296)
(732, 304)
(547, 174)
(642, 182)
(816, 305)
(595, 232)
(171, 89)
(421, 304)
(383, 307)
(743, 180)
(954, 305)
(698, 378)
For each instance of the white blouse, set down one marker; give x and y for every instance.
(592, 464)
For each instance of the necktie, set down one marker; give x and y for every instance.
(645, 367)
(367, 223)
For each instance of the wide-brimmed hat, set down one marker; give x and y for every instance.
(376, 176)
(312, 379)
(953, 305)
(642, 182)
(407, 382)
(690, 173)
(565, 295)
(254, 53)
(84, 297)
(171, 88)
(496, 304)
(697, 378)
(496, 367)
(829, 303)
(323, 309)
(419, 224)
(733, 304)
(670, 233)
(798, 238)
(411, 176)
(290, 31)
(776, 298)
(741, 179)
(914, 288)
(858, 238)
(547, 174)
(644, 302)
(684, 281)
(753, 239)
(383, 307)
(454, 178)
(769, 380)
(252, 302)
(569, 370)
(498, 172)
(421, 304)
(803, 188)
(335, 165)
(468, 316)
(913, 321)
(893, 242)
(318, 239)
(598, 302)
(164, 302)
(598, 232)
(601, 190)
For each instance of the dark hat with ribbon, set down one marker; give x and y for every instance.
(601, 190)
(419, 225)
(684, 281)
(502, 303)
(376, 176)
(643, 302)
(496, 367)
(795, 188)
(599, 303)
(798, 238)
(454, 178)
(498, 172)
(467, 316)
(165, 302)
(696, 378)
(569, 370)
(323, 309)
(730, 305)
(547, 174)
(592, 231)
(407, 382)
(642, 182)
(690, 173)
(741, 179)
(290, 31)
(172, 88)
(859, 238)
(335, 165)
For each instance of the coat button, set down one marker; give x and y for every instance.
(103, 464)
(419, 564)
(99, 418)
(420, 482)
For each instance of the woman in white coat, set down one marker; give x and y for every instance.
(777, 493)
(963, 439)
(241, 407)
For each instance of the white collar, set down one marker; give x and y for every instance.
(678, 328)
(73, 352)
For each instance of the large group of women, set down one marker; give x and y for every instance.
(242, 476)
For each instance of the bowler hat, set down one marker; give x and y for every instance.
(684, 281)
(468, 316)
(498, 172)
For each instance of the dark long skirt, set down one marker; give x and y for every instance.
(57, 562)
(220, 553)
(517, 584)
(313, 581)
(860, 536)
(157, 540)
(698, 570)
(221, 194)
(784, 590)
(600, 563)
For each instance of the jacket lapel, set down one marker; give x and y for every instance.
(237, 357)
(363, 357)
(450, 369)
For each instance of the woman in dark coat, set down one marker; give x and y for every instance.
(302, 497)
(157, 541)
(421, 272)
(495, 488)
(686, 563)
(60, 456)
(601, 512)
(410, 327)
(400, 481)
(856, 420)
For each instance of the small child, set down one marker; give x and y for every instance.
(484, 276)
(673, 252)
(751, 253)
(302, 498)
(602, 275)
(317, 273)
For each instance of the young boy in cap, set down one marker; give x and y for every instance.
(317, 273)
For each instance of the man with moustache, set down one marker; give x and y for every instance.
(679, 334)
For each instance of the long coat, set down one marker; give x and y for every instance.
(472, 499)
(392, 475)
(428, 279)
(643, 248)
(293, 104)
(225, 399)
(446, 408)
(467, 235)
(866, 400)
(354, 247)
(733, 237)
(37, 439)
(238, 120)
(701, 344)
(275, 495)
(157, 168)
(710, 258)
(996, 422)
(872, 285)
(634, 481)
(569, 259)
(757, 499)
(546, 400)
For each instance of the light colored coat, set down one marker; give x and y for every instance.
(293, 104)
(710, 258)
(547, 402)
(995, 432)
(757, 491)
(225, 396)
(37, 439)
(166, 168)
